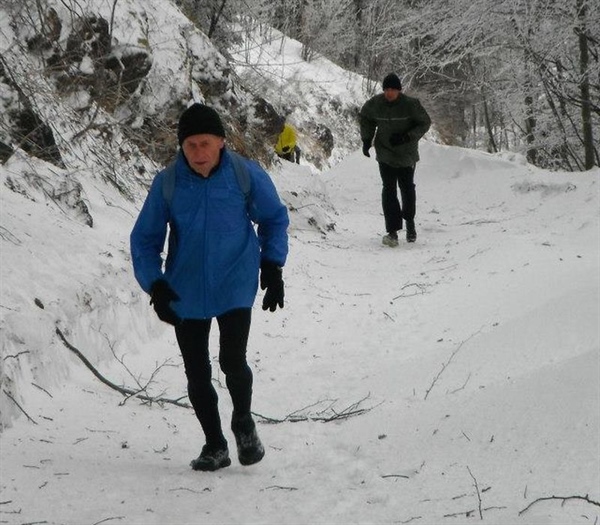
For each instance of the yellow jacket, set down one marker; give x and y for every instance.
(286, 143)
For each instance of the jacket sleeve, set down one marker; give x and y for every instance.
(421, 119)
(271, 216)
(367, 122)
(147, 238)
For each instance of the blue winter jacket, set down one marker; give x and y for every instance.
(214, 251)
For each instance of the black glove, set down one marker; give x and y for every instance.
(271, 279)
(399, 138)
(366, 147)
(161, 295)
(285, 149)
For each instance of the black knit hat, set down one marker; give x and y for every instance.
(392, 81)
(199, 119)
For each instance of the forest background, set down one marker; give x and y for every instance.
(498, 75)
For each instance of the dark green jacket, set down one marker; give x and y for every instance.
(403, 115)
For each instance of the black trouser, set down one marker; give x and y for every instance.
(292, 156)
(392, 178)
(193, 336)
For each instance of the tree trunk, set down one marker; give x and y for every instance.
(215, 17)
(360, 43)
(586, 112)
(492, 148)
(530, 123)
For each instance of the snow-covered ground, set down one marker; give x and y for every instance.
(445, 381)
(418, 384)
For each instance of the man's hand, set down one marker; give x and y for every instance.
(366, 147)
(271, 278)
(161, 296)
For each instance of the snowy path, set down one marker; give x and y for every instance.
(474, 351)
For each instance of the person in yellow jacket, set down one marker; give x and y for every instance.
(286, 146)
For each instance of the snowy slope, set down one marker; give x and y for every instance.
(469, 361)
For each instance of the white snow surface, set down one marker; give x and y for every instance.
(445, 381)
(473, 355)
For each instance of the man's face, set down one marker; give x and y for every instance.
(391, 94)
(203, 152)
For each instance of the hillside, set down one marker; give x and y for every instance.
(79, 144)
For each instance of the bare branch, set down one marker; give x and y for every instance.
(16, 356)
(561, 498)
(326, 415)
(445, 365)
(421, 289)
(19, 406)
(109, 519)
(478, 493)
(127, 392)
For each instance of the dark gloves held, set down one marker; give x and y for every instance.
(285, 149)
(271, 278)
(161, 296)
(366, 147)
(399, 138)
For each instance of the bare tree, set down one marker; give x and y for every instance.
(584, 36)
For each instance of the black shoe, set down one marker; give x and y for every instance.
(250, 449)
(211, 459)
(411, 233)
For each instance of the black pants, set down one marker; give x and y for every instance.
(392, 179)
(292, 156)
(193, 336)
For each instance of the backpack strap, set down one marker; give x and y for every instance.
(242, 175)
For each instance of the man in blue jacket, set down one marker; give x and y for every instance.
(212, 270)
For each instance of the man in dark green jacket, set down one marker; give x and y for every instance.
(400, 121)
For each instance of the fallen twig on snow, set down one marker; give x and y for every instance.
(16, 356)
(127, 392)
(325, 416)
(469, 513)
(19, 406)
(445, 365)
(141, 387)
(42, 389)
(477, 490)
(421, 290)
(462, 387)
(109, 519)
(562, 498)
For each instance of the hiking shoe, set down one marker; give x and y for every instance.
(211, 459)
(250, 449)
(390, 239)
